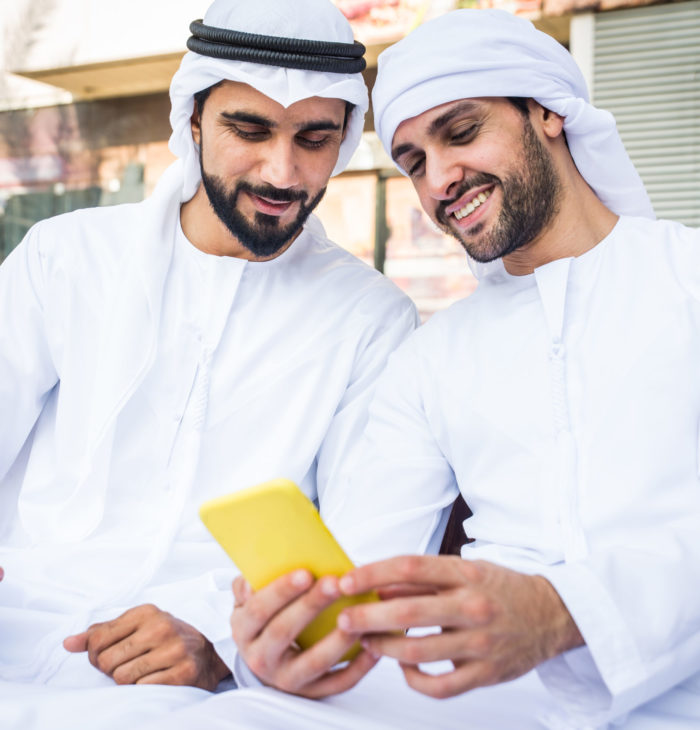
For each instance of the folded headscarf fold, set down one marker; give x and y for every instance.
(486, 53)
(315, 20)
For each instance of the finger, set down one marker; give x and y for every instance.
(341, 680)
(277, 638)
(161, 677)
(102, 636)
(170, 676)
(2, 573)
(241, 590)
(121, 653)
(447, 609)
(250, 619)
(440, 571)
(462, 679)
(148, 663)
(305, 667)
(456, 646)
(400, 590)
(77, 642)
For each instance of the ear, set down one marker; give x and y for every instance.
(552, 124)
(195, 125)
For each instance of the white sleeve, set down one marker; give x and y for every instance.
(393, 499)
(27, 372)
(637, 606)
(380, 334)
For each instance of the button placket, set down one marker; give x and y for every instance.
(552, 282)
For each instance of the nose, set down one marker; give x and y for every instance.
(443, 173)
(279, 166)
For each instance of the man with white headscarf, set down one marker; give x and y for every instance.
(157, 355)
(561, 400)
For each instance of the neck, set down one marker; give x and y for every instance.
(581, 223)
(205, 231)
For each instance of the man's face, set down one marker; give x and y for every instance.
(481, 173)
(265, 168)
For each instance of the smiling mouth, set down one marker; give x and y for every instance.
(472, 204)
(270, 207)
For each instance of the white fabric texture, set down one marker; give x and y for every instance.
(144, 377)
(381, 701)
(564, 405)
(482, 53)
(308, 19)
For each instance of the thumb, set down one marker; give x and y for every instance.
(77, 642)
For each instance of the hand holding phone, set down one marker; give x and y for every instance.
(273, 529)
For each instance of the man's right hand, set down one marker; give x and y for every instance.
(266, 623)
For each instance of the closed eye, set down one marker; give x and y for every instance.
(413, 165)
(252, 132)
(312, 140)
(463, 132)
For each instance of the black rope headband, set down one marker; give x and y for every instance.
(234, 45)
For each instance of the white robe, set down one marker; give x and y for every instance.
(564, 405)
(140, 377)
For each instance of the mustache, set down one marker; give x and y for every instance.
(480, 178)
(271, 193)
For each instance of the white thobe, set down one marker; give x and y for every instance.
(140, 377)
(564, 405)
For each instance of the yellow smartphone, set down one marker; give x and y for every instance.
(272, 529)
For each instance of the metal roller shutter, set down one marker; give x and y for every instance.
(647, 73)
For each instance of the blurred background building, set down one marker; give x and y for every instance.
(84, 115)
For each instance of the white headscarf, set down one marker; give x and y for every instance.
(308, 19)
(481, 53)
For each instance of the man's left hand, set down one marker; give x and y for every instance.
(148, 646)
(497, 624)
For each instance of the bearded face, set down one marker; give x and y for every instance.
(529, 196)
(263, 234)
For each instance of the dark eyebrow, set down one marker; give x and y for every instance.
(314, 125)
(401, 149)
(450, 114)
(247, 118)
(320, 125)
(437, 124)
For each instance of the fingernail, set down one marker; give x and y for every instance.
(329, 587)
(300, 578)
(344, 622)
(347, 584)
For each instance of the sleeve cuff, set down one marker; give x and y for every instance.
(242, 674)
(610, 662)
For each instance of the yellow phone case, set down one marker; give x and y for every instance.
(272, 529)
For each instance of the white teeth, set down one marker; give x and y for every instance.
(472, 205)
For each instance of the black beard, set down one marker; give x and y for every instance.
(264, 236)
(530, 202)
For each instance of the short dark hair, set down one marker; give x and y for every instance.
(349, 106)
(520, 103)
(200, 98)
